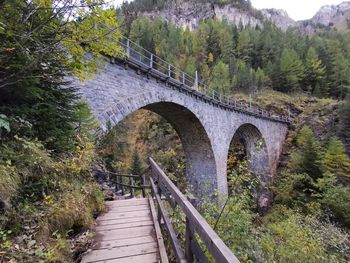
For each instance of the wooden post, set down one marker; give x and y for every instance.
(128, 47)
(250, 102)
(116, 180)
(122, 185)
(160, 196)
(196, 81)
(151, 61)
(188, 240)
(288, 113)
(132, 189)
(143, 181)
(169, 70)
(183, 77)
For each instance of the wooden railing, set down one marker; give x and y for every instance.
(128, 183)
(196, 225)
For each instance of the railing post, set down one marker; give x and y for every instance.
(189, 236)
(151, 61)
(183, 78)
(250, 102)
(288, 113)
(116, 183)
(160, 197)
(128, 47)
(169, 70)
(143, 181)
(196, 81)
(188, 240)
(132, 189)
(122, 185)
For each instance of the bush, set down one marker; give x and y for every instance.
(290, 239)
(337, 199)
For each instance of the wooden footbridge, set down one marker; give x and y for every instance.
(132, 230)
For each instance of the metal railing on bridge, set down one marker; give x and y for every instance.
(198, 233)
(149, 62)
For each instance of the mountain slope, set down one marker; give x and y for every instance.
(329, 17)
(189, 13)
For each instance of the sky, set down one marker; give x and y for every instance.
(297, 9)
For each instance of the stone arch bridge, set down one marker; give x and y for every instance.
(206, 124)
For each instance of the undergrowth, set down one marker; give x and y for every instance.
(45, 200)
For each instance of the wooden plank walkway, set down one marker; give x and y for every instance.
(128, 233)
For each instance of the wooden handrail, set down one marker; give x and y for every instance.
(121, 186)
(195, 223)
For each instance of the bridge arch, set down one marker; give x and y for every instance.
(201, 169)
(253, 143)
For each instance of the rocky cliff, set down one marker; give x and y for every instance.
(329, 17)
(188, 14)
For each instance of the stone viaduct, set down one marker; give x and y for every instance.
(205, 126)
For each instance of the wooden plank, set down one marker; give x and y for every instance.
(125, 233)
(147, 258)
(127, 201)
(128, 208)
(112, 206)
(122, 221)
(159, 237)
(214, 244)
(124, 225)
(123, 242)
(125, 215)
(124, 204)
(120, 252)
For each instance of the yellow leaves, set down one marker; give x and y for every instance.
(49, 200)
(210, 58)
(43, 3)
(96, 33)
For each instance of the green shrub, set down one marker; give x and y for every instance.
(337, 199)
(290, 239)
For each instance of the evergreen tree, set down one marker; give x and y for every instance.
(315, 73)
(136, 164)
(244, 46)
(220, 78)
(242, 78)
(307, 159)
(340, 76)
(335, 159)
(291, 70)
(345, 115)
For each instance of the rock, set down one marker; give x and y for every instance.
(188, 14)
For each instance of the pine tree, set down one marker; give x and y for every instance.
(335, 159)
(291, 70)
(220, 78)
(136, 164)
(345, 115)
(315, 73)
(307, 158)
(340, 76)
(244, 46)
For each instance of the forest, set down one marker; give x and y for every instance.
(50, 142)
